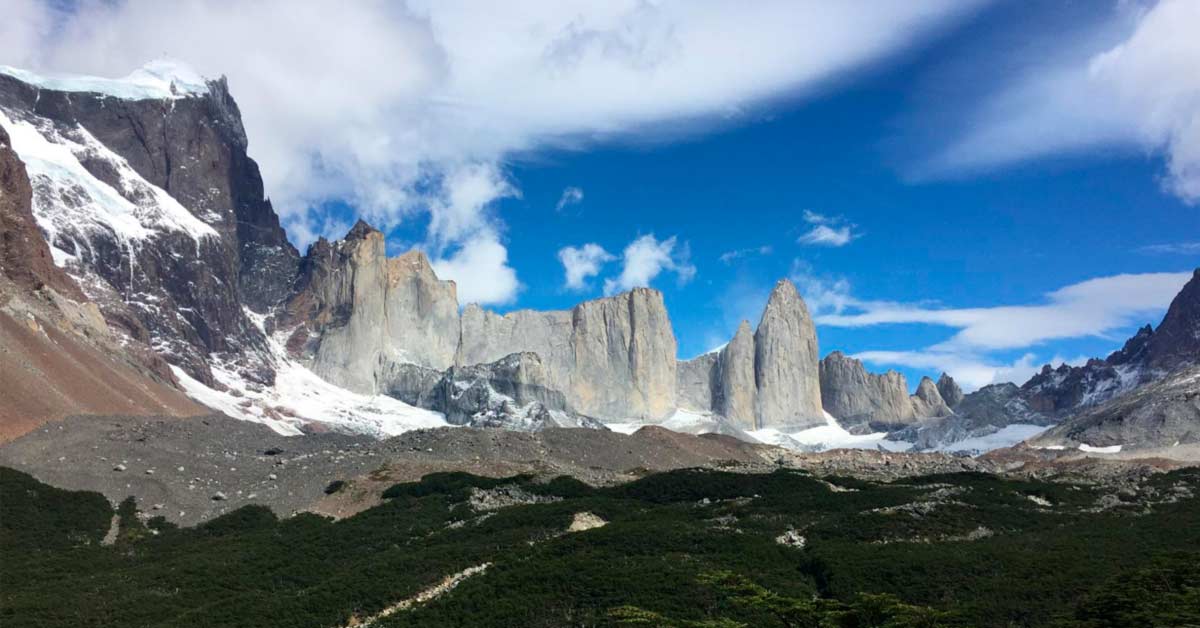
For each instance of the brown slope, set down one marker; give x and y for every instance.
(47, 374)
(56, 356)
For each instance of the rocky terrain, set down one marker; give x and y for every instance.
(57, 352)
(190, 470)
(1165, 413)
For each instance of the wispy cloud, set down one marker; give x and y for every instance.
(1172, 248)
(1093, 308)
(729, 257)
(646, 258)
(581, 263)
(971, 371)
(1128, 81)
(571, 195)
(827, 230)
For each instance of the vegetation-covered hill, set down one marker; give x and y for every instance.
(686, 548)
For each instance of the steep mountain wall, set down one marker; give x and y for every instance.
(151, 203)
(613, 357)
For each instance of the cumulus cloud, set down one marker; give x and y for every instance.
(827, 230)
(571, 195)
(480, 268)
(367, 103)
(646, 258)
(729, 257)
(582, 263)
(1136, 89)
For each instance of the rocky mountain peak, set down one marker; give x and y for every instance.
(786, 362)
(928, 402)
(860, 399)
(736, 391)
(361, 231)
(951, 393)
(1176, 341)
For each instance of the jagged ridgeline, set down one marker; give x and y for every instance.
(136, 226)
(148, 201)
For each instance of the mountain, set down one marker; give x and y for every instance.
(57, 354)
(135, 222)
(766, 380)
(1162, 414)
(1132, 384)
(152, 205)
(865, 401)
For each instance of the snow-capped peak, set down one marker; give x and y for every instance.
(162, 78)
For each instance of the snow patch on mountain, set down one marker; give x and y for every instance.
(829, 436)
(300, 397)
(72, 205)
(162, 78)
(1111, 449)
(1006, 436)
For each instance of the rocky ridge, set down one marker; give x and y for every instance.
(768, 379)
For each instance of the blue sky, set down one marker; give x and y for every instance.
(930, 174)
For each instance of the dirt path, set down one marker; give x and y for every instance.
(445, 586)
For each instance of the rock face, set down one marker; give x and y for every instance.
(1176, 341)
(864, 400)
(153, 206)
(736, 391)
(785, 363)
(614, 358)
(695, 382)
(948, 388)
(928, 402)
(58, 356)
(1161, 414)
(390, 326)
(513, 393)
(24, 256)
(766, 378)
(859, 398)
(355, 314)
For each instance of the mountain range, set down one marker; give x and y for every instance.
(144, 271)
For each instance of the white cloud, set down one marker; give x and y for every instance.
(1172, 248)
(480, 268)
(646, 258)
(824, 235)
(822, 294)
(582, 263)
(1094, 307)
(369, 102)
(827, 230)
(728, 257)
(970, 371)
(1137, 89)
(813, 218)
(571, 195)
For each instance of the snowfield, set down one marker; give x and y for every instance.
(300, 397)
(70, 203)
(162, 78)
